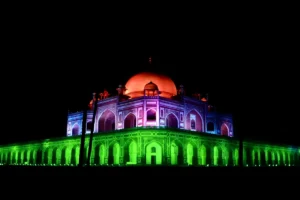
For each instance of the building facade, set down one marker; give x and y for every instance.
(151, 100)
(150, 146)
(150, 122)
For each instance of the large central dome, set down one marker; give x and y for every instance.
(135, 85)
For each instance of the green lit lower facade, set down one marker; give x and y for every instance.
(150, 146)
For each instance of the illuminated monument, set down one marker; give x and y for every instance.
(151, 122)
(151, 100)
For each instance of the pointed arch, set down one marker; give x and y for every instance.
(66, 154)
(130, 120)
(262, 156)
(129, 114)
(75, 129)
(106, 109)
(132, 150)
(107, 121)
(224, 129)
(75, 151)
(151, 114)
(217, 156)
(279, 158)
(194, 121)
(255, 157)
(172, 120)
(227, 156)
(202, 155)
(102, 154)
(189, 153)
(236, 157)
(114, 151)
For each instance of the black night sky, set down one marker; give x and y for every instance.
(250, 73)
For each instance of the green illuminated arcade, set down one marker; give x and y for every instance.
(150, 122)
(146, 146)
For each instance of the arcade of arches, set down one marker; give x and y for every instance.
(193, 122)
(144, 148)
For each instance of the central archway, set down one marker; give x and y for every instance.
(106, 121)
(154, 154)
(151, 115)
(194, 121)
(171, 121)
(130, 121)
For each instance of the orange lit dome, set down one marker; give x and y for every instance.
(135, 85)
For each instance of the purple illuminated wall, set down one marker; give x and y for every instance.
(154, 111)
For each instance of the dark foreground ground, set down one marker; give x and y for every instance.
(169, 171)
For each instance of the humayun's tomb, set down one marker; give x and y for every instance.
(150, 121)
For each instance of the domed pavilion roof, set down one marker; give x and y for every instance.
(150, 86)
(136, 84)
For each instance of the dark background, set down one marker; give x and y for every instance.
(249, 68)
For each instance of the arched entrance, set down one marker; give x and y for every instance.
(75, 130)
(203, 155)
(151, 115)
(114, 154)
(224, 130)
(130, 121)
(133, 152)
(106, 121)
(177, 153)
(193, 121)
(153, 154)
(217, 156)
(75, 155)
(171, 121)
(191, 155)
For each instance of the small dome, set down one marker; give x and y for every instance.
(136, 84)
(150, 86)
